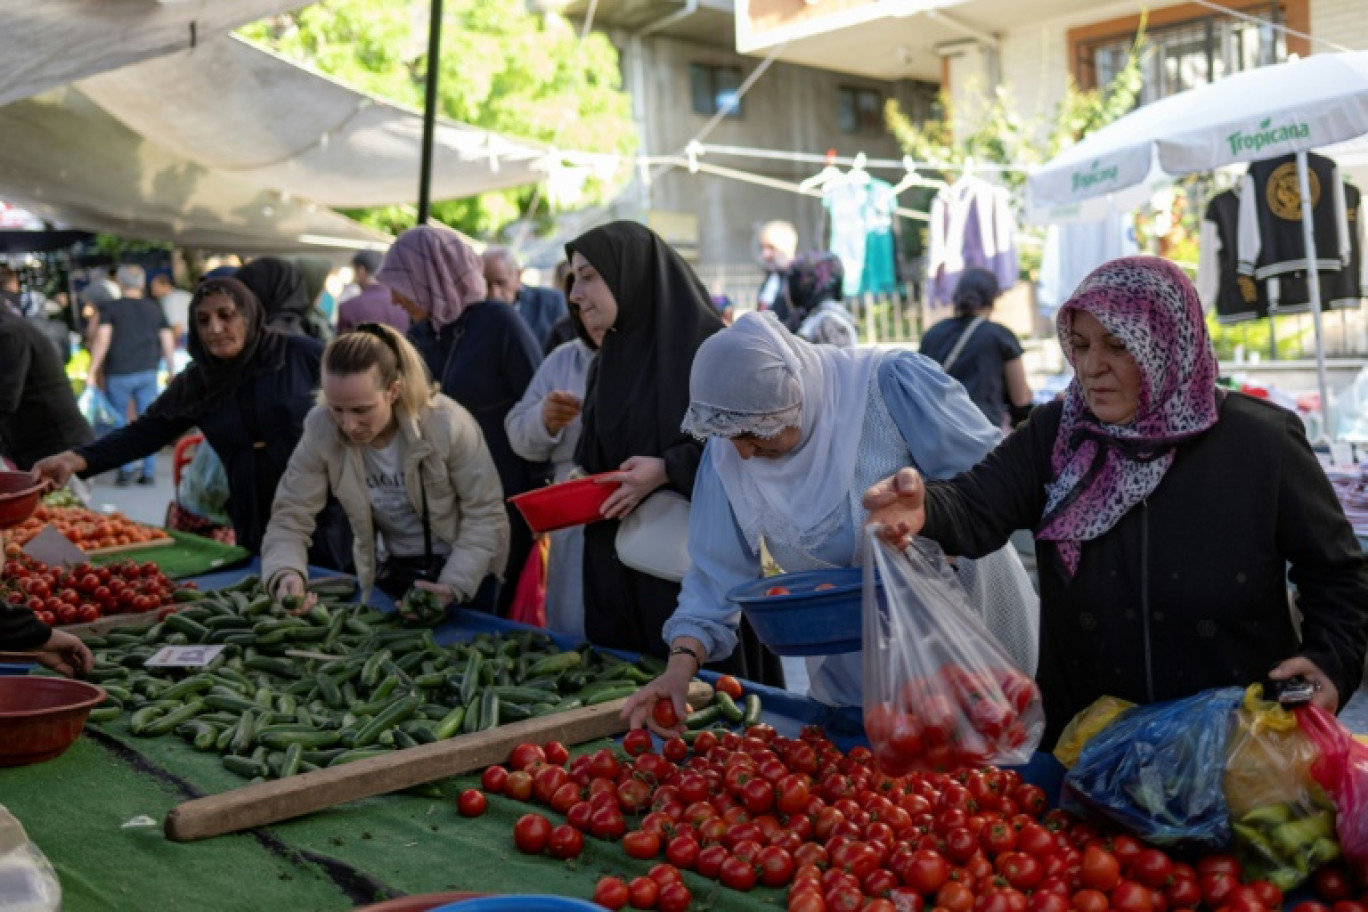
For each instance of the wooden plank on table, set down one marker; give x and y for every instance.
(283, 799)
(162, 542)
(131, 623)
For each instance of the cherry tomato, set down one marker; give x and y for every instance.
(525, 755)
(643, 892)
(531, 833)
(87, 613)
(611, 893)
(1100, 869)
(636, 742)
(565, 842)
(556, 753)
(674, 897)
(776, 590)
(729, 686)
(641, 844)
(493, 779)
(518, 785)
(664, 714)
(471, 803)
(1331, 884)
(737, 874)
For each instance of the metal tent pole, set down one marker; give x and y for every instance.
(434, 57)
(1313, 283)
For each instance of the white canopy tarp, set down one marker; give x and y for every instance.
(233, 107)
(67, 160)
(49, 43)
(1257, 114)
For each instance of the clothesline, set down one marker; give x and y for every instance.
(760, 180)
(881, 163)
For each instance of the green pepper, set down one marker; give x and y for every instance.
(1293, 837)
(1266, 818)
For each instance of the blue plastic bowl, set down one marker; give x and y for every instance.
(10, 669)
(521, 904)
(806, 621)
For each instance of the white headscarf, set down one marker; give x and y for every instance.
(757, 378)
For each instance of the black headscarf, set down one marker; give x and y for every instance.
(282, 293)
(976, 289)
(814, 279)
(209, 380)
(638, 388)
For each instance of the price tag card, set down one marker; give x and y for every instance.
(184, 656)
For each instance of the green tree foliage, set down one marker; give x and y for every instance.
(503, 68)
(1001, 135)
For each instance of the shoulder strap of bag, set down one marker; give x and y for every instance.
(962, 341)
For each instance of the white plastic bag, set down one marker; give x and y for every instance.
(939, 691)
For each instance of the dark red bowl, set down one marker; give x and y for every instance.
(19, 497)
(41, 716)
(570, 503)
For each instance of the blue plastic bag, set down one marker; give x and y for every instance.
(99, 411)
(1158, 772)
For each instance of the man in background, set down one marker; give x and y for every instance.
(540, 308)
(374, 303)
(778, 245)
(132, 336)
(175, 304)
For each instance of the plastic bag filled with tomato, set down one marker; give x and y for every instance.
(1342, 770)
(1158, 772)
(939, 691)
(1283, 821)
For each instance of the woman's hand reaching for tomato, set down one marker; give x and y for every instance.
(897, 505)
(670, 689)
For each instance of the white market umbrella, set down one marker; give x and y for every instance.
(1257, 114)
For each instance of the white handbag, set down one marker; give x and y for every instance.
(654, 538)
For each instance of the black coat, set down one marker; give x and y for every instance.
(1187, 591)
(485, 361)
(38, 412)
(269, 409)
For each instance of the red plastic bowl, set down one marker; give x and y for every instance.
(19, 496)
(41, 716)
(570, 503)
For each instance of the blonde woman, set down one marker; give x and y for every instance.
(411, 470)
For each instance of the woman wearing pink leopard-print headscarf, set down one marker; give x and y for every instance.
(1165, 512)
(480, 352)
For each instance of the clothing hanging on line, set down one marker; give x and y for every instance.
(1251, 260)
(1074, 249)
(1271, 240)
(860, 209)
(971, 226)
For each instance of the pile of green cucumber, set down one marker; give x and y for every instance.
(373, 685)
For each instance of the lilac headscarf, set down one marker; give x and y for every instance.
(1103, 470)
(435, 269)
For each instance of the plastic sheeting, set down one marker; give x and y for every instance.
(49, 43)
(65, 159)
(233, 107)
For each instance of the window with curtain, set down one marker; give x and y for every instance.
(1185, 55)
(859, 110)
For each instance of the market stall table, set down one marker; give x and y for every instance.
(97, 812)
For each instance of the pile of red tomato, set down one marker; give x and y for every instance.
(85, 593)
(958, 719)
(839, 835)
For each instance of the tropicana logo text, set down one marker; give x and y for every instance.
(1266, 135)
(1082, 180)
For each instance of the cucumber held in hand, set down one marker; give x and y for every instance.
(422, 608)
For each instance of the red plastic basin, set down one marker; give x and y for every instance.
(40, 716)
(19, 496)
(570, 503)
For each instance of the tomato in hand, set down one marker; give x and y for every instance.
(664, 713)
